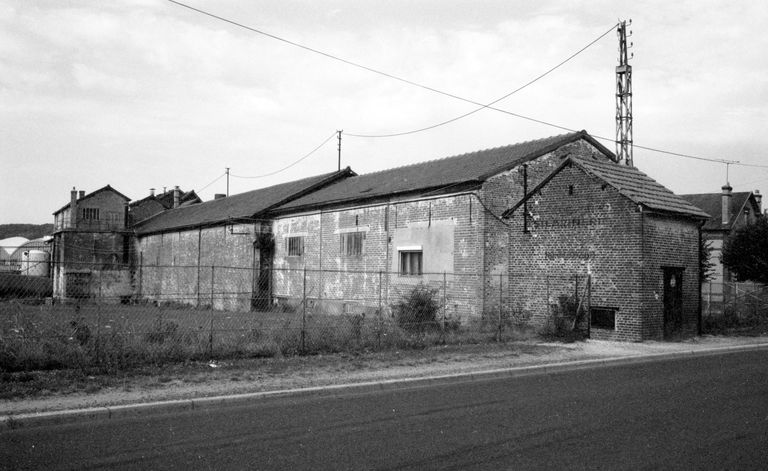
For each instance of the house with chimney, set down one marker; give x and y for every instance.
(92, 240)
(730, 211)
(91, 245)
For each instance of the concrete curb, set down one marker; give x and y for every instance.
(181, 405)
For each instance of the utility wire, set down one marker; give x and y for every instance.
(292, 164)
(531, 82)
(214, 181)
(425, 87)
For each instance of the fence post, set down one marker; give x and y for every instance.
(501, 301)
(141, 272)
(210, 332)
(378, 317)
(589, 305)
(445, 296)
(304, 311)
(549, 308)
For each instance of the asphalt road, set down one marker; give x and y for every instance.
(707, 412)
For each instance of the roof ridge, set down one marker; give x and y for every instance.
(465, 154)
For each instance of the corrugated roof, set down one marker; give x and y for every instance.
(244, 205)
(712, 204)
(639, 187)
(436, 174)
(628, 181)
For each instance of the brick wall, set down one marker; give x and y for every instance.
(578, 225)
(445, 228)
(180, 266)
(669, 242)
(500, 193)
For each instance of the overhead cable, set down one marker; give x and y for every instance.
(441, 92)
(291, 165)
(488, 105)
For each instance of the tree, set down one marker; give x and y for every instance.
(706, 265)
(746, 252)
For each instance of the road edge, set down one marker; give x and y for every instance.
(11, 421)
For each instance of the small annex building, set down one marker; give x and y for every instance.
(504, 230)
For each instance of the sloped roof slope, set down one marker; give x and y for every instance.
(712, 204)
(629, 182)
(640, 188)
(437, 174)
(243, 205)
(85, 197)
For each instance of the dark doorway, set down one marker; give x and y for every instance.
(673, 301)
(263, 250)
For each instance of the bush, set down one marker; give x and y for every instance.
(417, 311)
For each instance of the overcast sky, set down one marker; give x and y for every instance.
(145, 94)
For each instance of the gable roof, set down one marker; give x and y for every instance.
(437, 175)
(629, 182)
(712, 204)
(85, 197)
(236, 207)
(166, 199)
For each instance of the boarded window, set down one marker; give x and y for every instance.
(294, 246)
(603, 317)
(351, 244)
(411, 262)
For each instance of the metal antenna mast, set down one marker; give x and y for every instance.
(339, 133)
(624, 98)
(227, 172)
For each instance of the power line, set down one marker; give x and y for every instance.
(531, 82)
(325, 54)
(214, 181)
(425, 87)
(292, 164)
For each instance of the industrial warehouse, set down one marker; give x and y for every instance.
(514, 232)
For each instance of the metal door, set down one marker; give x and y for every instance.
(673, 300)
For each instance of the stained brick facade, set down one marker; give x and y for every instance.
(506, 232)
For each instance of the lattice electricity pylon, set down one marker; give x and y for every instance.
(624, 98)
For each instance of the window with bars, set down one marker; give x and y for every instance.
(294, 246)
(91, 214)
(411, 262)
(351, 244)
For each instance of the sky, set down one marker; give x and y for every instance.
(142, 94)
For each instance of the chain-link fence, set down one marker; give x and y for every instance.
(727, 306)
(120, 316)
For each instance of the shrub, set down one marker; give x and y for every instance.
(417, 310)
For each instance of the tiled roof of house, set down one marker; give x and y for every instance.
(640, 188)
(104, 188)
(241, 206)
(434, 175)
(628, 181)
(712, 204)
(166, 199)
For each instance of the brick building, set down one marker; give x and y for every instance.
(496, 227)
(91, 245)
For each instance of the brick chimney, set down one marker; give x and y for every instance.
(759, 201)
(73, 208)
(80, 194)
(726, 204)
(152, 192)
(176, 196)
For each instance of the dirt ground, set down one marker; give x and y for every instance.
(65, 390)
